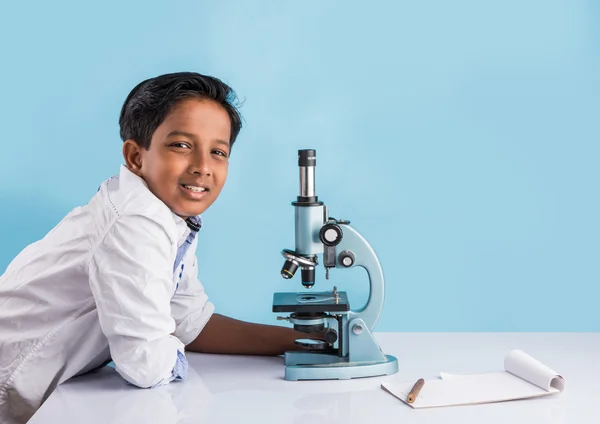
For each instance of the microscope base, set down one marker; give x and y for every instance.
(340, 370)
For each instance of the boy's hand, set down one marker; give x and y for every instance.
(227, 335)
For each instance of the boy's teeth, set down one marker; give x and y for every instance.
(194, 188)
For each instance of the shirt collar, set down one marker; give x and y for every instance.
(190, 223)
(133, 182)
(194, 223)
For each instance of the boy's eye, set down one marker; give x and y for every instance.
(220, 153)
(181, 144)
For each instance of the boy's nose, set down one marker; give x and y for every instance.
(200, 164)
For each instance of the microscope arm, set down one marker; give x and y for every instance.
(364, 256)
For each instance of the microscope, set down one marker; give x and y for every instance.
(345, 347)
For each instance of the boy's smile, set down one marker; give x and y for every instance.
(187, 161)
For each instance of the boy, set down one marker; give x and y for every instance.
(116, 279)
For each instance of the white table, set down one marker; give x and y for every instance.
(245, 389)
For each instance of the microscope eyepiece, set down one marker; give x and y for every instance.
(307, 160)
(307, 157)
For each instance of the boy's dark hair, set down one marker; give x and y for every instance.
(151, 100)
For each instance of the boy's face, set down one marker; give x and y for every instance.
(186, 164)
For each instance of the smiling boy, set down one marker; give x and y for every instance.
(116, 279)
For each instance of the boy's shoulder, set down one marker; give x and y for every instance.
(128, 195)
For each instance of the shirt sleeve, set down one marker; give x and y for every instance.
(190, 306)
(131, 281)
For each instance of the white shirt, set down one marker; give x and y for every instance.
(99, 285)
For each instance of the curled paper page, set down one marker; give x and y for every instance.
(529, 369)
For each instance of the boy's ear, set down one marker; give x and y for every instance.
(133, 156)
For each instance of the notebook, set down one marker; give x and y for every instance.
(523, 377)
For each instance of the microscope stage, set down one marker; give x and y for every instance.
(310, 302)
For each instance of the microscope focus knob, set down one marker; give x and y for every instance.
(346, 258)
(331, 336)
(330, 234)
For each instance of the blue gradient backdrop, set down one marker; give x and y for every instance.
(461, 138)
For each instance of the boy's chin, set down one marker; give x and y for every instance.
(186, 212)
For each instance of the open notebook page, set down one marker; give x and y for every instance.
(524, 377)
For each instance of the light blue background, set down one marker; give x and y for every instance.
(461, 138)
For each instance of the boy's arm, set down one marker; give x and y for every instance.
(222, 334)
(131, 281)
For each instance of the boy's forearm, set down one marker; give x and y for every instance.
(227, 335)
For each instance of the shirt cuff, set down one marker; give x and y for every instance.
(190, 328)
(180, 370)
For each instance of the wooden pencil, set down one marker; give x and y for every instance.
(414, 392)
